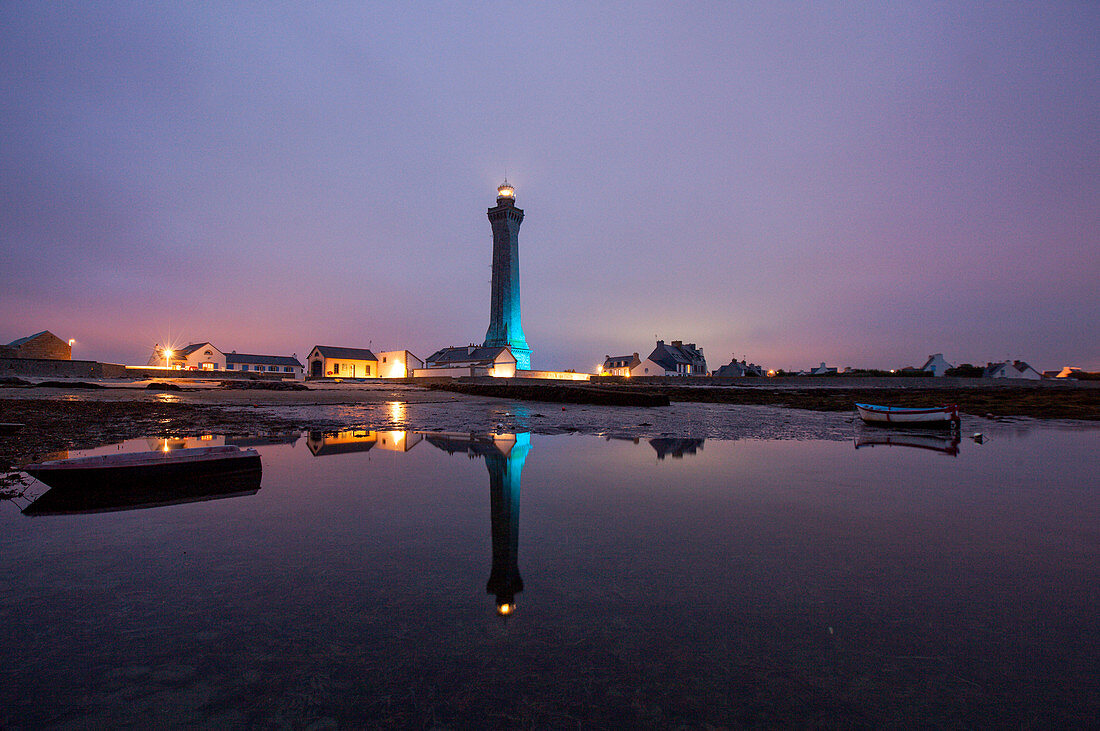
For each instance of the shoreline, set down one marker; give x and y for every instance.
(59, 419)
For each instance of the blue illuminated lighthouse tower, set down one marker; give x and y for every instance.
(504, 313)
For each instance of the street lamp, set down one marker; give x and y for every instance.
(167, 355)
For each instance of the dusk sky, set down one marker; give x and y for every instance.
(857, 183)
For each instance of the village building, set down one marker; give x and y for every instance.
(397, 364)
(193, 357)
(282, 365)
(675, 359)
(472, 360)
(821, 370)
(619, 365)
(936, 365)
(739, 369)
(1014, 369)
(40, 346)
(330, 361)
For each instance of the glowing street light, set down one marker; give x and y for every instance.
(167, 355)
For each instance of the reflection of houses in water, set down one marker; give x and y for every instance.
(323, 444)
(504, 456)
(666, 446)
(166, 444)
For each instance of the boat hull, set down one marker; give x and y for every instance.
(935, 416)
(150, 468)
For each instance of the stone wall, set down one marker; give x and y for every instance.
(60, 368)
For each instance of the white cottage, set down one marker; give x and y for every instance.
(1015, 369)
(936, 365)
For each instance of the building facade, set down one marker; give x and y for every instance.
(1012, 369)
(193, 357)
(40, 346)
(677, 359)
(282, 365)
(330, 361)
(619, 365)
(936, 365)
(470, 361)
(397, 364)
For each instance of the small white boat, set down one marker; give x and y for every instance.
(141, 468)
(928, 416)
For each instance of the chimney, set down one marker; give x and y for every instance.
(677, 343)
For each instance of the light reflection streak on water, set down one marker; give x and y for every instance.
(397, 412)
(167, 398)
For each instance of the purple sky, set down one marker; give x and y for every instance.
(789, 182)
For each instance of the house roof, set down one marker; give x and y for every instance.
(283, 360)
(621, 361)
(20, 341)
(932, 359)
(669, 355)
(736, 369)
(188, 350)
(1019, 366)
(331, 351)
(470, 355)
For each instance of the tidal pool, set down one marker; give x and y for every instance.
(400, 578)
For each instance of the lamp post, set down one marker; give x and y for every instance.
(167, 355)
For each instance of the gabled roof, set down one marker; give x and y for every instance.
(1019, 366)
(470, 355)
(188, 350)
(621, 361)
(932, 359)
(331, 351)
(283, 360)
(669, 355)
(20, 341)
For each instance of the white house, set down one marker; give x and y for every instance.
(619, 365)
(821, 370)
(674, 359)
(397, 364)
(1015, 369)
(936, 365)
(285, 366)
(194, 357)
(330, 361)
(472, 360)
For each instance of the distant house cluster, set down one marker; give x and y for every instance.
(667, 359)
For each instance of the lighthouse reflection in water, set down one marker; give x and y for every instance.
(504, 455)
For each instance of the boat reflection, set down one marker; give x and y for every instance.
(102, 497)
(943, 443)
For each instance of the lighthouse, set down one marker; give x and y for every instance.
(505, 329)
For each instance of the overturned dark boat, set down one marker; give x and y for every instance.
(147, 469)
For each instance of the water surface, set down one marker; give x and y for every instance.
(419, 579)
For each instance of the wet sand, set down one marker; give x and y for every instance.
(64, 418)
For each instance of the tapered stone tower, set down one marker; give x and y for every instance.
(505, 328)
